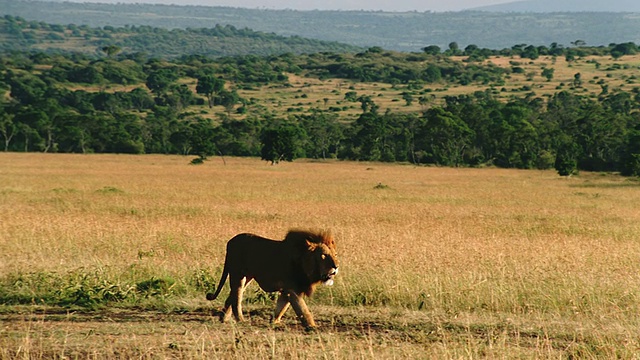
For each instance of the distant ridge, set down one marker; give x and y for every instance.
(631, 6)
(409, 31)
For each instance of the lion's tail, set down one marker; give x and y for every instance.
(223, 278)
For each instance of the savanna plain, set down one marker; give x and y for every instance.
(110, 256)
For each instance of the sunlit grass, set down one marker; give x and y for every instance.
(452, 262)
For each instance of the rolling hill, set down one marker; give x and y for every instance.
(18, 34)
(409, 31)
(547, 6)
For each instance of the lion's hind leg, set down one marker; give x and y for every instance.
(226, 311)
(233, 304)
(281, 307)
(237, 290)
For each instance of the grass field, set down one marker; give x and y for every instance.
(109, 256)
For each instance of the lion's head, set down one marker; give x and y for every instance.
(321, 263)
(318, 257)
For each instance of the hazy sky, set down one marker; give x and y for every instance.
(395, 5)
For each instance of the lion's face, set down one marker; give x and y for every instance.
(326, 263)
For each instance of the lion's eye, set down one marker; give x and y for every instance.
(323, 256)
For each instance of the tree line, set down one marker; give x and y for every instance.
(43, 112)
(567, 132)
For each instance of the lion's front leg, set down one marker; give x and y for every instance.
(301, 309)
(281, 307)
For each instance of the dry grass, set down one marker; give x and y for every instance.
(437, 262)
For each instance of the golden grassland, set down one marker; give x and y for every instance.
(435, 262)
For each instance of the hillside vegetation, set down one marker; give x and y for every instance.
(525, 107)
(408, 31)
(18, 34)
(547, 6)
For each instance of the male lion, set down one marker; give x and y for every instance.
(293, 266)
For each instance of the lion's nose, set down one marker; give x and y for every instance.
(333, 272)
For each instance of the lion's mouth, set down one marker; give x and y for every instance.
(328, 279)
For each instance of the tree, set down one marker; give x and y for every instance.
(548, 73)
(183, 96)
(159, 127)
(73, 135)
(108, 102)
(556, 49)
(567, 157)
(8, 128)
(408, 98)
(210, 86)
(281, 142)
(239, 138)
(470, 49)
(110, 50)
(577, 80)
(444, 137)
(619, 50)
(351, 96)
(424, 101)
(88, 74)
(49, 124)
(517, 137)
(26, 89)
(368, 140)
(570, 55)
(601, 136)
(578, 43)
(324, 134)
(202, 137)
(228, 99)
(367, 104)
(124, 72)
(140, 99)
(631, 154)
(33, 123)
(432, 50)
(432, 73)
(454, 49)
(158, 81)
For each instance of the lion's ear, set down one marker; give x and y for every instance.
(311, 245)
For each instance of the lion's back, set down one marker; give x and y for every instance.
(265, 260)
(252, 247)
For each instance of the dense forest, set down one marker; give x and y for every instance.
(132, 103)
(408, 31)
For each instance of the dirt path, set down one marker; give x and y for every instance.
(359, 332)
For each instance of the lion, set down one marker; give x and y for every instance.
(293, 267)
